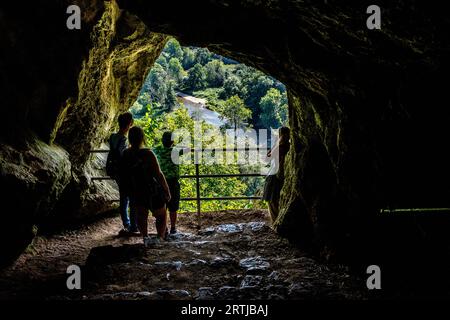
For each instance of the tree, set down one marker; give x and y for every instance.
(162, 61)
(231, 86)
(158, 90)
(215, 73)
(188, 58)
(158, 84)
(236, 112)
(270, 106)
(257, 85)
(137, 110)
(203, 56)
(175, 70)
(173, 49)
(282, 113)
(196, 79)
(171, 96)
(154, 125)
(144, 99)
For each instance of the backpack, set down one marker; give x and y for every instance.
(113, 160)
(142, 184)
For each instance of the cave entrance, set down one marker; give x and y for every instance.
(205, 96)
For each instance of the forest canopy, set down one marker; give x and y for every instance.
(203, 74)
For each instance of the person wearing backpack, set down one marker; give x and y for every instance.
(117, 145)
(145, 184)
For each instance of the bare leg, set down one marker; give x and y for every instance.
(173, 220)
(142, 219)
(161, 221)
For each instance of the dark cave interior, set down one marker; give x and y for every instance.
(366, 111)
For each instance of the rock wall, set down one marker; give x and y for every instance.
(122, 52)
(367, 119)
(62, 91)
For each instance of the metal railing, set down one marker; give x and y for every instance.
(414, 210)
(197, 176)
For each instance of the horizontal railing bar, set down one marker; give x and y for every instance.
(415, 210)
(192, 176)
(222, 198)
(212, 198)
(230, 149)
(196, 150)
(223, 175)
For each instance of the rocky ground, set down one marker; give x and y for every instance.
(234, 255)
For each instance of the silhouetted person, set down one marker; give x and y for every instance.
(117, 145)
(145, 184)
(275, 177)
(171, 171)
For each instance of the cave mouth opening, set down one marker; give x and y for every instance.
(206, 95)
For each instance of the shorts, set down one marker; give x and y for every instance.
(153, 204)
(272, 188)
(174, 187)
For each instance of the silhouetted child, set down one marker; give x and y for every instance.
(171, 171)
(117, 145)
(275, 177)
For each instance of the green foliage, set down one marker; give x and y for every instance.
(188, 58)
(162, 61)
(212, 96)
(154, 125)
(232, 86)
(215, 73)
(236, 112)
(171, 96)
(176, 70)
(203, 56)
(173, 49)
(158, 85)
(196, 79)
(151, 123)
(198, 70)
(273, 109)
(241, 94)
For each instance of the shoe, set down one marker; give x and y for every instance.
(173, 231)
(166, 235)
(150, 241)
(133, 230)
(124, 232)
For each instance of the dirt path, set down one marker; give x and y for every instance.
(234, 256)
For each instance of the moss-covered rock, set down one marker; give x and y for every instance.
(33, 177)
(122, 52)
(63, 92)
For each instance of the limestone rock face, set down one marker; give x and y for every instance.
(366, 110)
(63, 90)
(33, 178)
(366, 106)
(122, 52)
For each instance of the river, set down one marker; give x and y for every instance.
(198, 111)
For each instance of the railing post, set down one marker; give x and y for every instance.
(197, 184)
